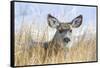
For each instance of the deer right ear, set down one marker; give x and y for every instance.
(77, 21)
(52, 21)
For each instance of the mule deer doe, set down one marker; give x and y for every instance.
(63, 34)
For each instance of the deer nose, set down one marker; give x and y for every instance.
(66, 40)
(70, 30)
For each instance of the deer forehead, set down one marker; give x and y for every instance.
(65, 26)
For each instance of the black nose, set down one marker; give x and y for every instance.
(66, 40)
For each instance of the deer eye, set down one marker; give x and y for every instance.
(70, 31)
(60, 31)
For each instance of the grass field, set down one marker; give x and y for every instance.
(26, 54)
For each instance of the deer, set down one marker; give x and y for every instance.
(63, 32)
(62, 36)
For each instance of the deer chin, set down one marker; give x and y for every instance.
(69, 44)
(66, 44)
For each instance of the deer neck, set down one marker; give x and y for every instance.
(57, 40)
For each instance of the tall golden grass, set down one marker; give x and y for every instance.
(27, 53)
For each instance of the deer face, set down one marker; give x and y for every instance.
(64, 30)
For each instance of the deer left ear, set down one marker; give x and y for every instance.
(77, 21)
(52, 21)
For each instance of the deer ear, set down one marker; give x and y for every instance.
(52, 21)
(77, 21)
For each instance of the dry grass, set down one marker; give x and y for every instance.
(26, 54)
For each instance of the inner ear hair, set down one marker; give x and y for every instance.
(76, 22)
